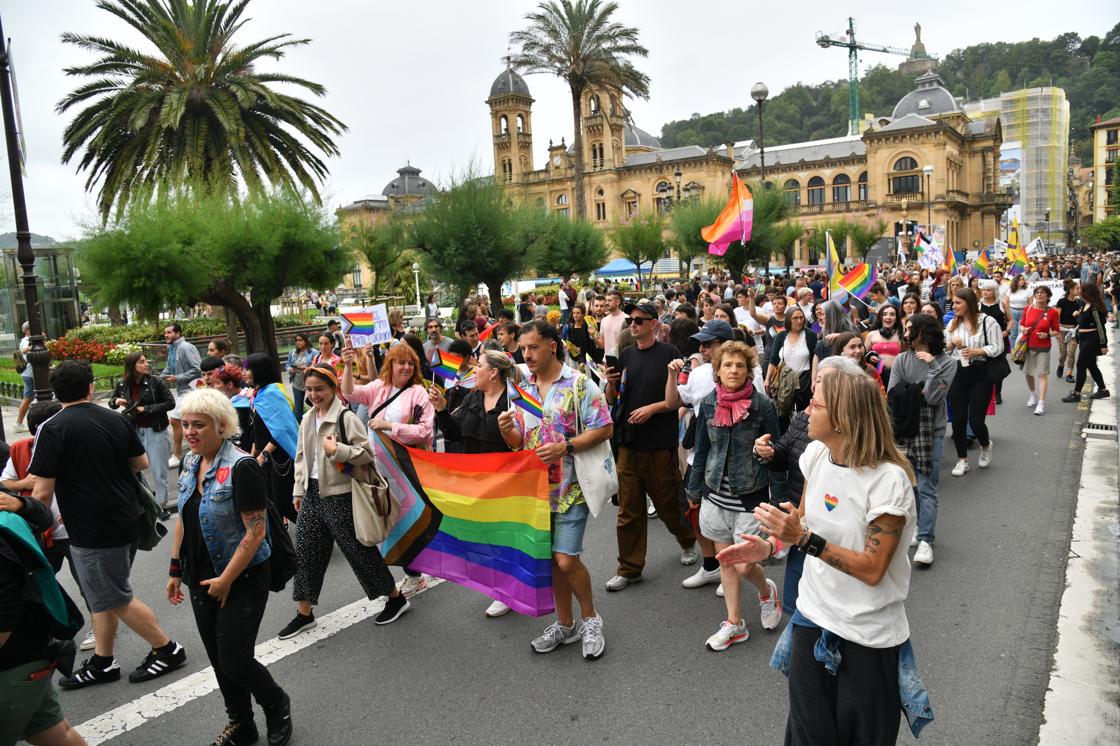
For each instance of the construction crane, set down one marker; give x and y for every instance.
(849, 41)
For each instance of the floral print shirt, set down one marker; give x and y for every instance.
(570, 390)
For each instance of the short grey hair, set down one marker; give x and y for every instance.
(840, 363)
(216, 406)
(989, 285)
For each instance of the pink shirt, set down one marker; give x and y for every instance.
(417, 424)
(610, 328)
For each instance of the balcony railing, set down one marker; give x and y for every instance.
(828, 207)
(908, 196)
(956, 195)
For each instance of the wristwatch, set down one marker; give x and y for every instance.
(568, 446)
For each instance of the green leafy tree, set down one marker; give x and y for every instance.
(641, 240)
(568, 247)
(577, 41)
(185, 247)
(840, 230)
(384, 246)
(1103, 234)
(471, 234)
(686, 221)
(865, 236)
(198, 110)
(785, 240)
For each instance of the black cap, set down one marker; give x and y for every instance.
(715, 329)
(644, 306)
(332, 322)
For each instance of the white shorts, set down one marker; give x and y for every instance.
(724, 526)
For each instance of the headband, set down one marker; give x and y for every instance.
(326, 371)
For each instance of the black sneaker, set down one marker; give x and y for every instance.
(156, 664)
(279, 721)
(1071, 397)
(89, 674)
(1069, 379)
(238, 734)
(300, 624)
(1100, 394)
(1060, 371)
(394, 607)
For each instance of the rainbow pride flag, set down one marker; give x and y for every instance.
(950, 260)
(358, 322)
(1018, 259)
(734, 222)
(478, 520)
(488, 332)
(859, 280)
(524, 400)
(980, 266)
(446, 365)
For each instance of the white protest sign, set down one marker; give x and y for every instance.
(366, 325)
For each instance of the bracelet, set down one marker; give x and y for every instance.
(814, 545)
(775, 546)
(176, 569)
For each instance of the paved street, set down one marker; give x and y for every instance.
(983, 621)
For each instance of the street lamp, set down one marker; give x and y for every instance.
(416, 276)
(678, 175)
(927, 171)
(759, 93)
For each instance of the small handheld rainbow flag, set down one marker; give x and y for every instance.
(468, 379)
(1018, 259)
(488, 332)
(734, 222)
(358, 322)
(980, 266)
(523, 399)
(950, 260)
(859, 281)
(446, 365)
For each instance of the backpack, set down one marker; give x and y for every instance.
(20, 361)
(781, 387)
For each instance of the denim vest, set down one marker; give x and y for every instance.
(731, 448)
(911, 689)
(222, 529)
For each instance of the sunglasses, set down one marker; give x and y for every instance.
(707, 343)
(638, 320)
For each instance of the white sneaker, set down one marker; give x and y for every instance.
(411, 586)
(1041, 408)
(621, 582)
(985, 458)
(594, 643)
(554, 636)
(689, 556)
(701, 577)
(1032, 400)
(651, 511)
(21, 428)
(770, 609)
(924, 555)
(914, 541)
(961, 468)
(173, 463)
(727, 635)
(89, 643)
(496, 609)
(719, 590)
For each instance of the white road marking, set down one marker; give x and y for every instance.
(1083, 685)
(121, 720)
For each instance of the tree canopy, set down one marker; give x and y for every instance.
(641, 240)
(567, 247)
(197, 110)
(1103, 234)
(686, 220)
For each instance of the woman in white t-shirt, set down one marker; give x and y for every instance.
(857, 510)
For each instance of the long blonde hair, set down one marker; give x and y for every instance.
(858, 409)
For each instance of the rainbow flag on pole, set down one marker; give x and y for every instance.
(524, 400)
(734, 222)
(446, 365)
(950, 260)
(980, 266)
(859, 280)
(480, 520)
(1018, 259)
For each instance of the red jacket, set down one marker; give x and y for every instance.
(1040, 339)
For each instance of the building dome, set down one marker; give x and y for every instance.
(509, 82)
(408, 182)
(928, 99)
(634, 137)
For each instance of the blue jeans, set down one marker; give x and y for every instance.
(1013, 332)
(795, 567)
(298, 397)
(927, 492)
(158, 448)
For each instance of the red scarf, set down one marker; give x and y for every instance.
(732, 406)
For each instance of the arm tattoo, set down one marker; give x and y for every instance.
(254, 521)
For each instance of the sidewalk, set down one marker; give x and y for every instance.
(1083, 700)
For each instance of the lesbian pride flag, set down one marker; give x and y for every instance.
(479, 520)
(734, 221)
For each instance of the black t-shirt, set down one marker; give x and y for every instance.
(250, 492)
(475, 429)
(644, 375)
(1066, 307)
(86, 449)
(28, 622)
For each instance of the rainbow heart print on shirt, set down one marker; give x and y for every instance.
(830, 502)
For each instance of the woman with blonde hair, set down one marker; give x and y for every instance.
(474, 423)
(399, 407)
(857, 510)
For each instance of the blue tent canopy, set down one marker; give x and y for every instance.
(617, 268)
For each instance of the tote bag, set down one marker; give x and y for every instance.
(595, 470)
(375, 509)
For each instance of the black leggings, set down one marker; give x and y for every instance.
(1087, 353)
(969, 396)
(229, 634)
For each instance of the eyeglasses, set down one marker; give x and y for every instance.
(814, 404)
(638, 320)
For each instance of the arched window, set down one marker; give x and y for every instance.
(663, 197)
(909, 180)
(594, 104)
(562, 205)
(600, 205)
(597, 156)
(793, 193)
(507, 170)
(520, 122)
(562, 200)
(816, 191)
(842, 188)
(861, 189)
(503, 124)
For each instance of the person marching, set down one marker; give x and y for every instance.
(1092, 343)
(1040, 324)
(275, 430)
(973, 339)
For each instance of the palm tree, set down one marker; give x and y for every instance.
(196, 111)
(576, 40)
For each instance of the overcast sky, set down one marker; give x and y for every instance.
(410, 78)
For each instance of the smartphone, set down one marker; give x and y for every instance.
(612, 361)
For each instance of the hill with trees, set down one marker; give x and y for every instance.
(1088, 69)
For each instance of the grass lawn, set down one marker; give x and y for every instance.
(100, 370)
